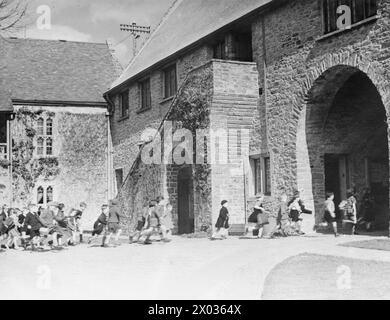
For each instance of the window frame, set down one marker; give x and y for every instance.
(170, 90)
(40, 126)
(267, 176)
(329, 27)
(40, 190)
(145, 104)
(259, 175)
(124, 100)
(45, 190)
(49, 124)
(44, 138)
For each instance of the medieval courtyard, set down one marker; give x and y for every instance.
(312, 267)
(230, 149)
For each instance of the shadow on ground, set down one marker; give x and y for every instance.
(375, 244)
(317, 277)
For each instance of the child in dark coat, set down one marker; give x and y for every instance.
(222, 225)
(100, 224)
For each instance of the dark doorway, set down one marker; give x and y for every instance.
(337, 176)
(185, 202)
(347, 137)
(332, 182)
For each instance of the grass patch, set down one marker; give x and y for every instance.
(375, 244)
(318, 277)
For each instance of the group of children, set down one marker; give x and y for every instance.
(287, 221)
(53, 227)
(40, 227)
(348, 213)
(154, 220)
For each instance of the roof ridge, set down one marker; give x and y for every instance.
(171, 9)
(53, 40)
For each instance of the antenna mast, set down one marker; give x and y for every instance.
(136, 32)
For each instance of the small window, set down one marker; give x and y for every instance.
(170, 82)
(119, 178)
(219, 50)
(360, 10)
(40, 148)
(256, 176)
(40, 124)
(49, 146)
(49, 194)
(40, 195)
(49, 127)
(124, 104)
(261, 176)
(44, 139)
(146, 98)
(267, 176)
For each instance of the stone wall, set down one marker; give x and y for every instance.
(126, 133)
(291, 57)
(80, 147)
(234, 109)
(228, 92)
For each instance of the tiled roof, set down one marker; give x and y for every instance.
(54, 70)
(187, 22)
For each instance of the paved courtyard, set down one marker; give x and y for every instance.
(183, 269)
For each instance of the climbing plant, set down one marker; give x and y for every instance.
(192, 111)
(26, 169)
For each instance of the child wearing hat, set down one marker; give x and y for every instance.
(222, 225)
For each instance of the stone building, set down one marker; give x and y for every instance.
(53, 123)
(301, 88)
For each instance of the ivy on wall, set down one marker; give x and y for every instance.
(192, 111)
(26, 169)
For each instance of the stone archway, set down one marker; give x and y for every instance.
(343, 120)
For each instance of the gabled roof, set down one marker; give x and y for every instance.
(187, 22)
(54, 70)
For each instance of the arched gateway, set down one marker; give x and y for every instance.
(342, 140)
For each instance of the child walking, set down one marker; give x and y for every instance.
(113, 223)
(349, 208)
(12, 224)
(32, 225)
(330, 214)
(295, 212)
(100, 224)
(222, 225)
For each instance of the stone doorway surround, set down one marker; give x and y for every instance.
(314, 132)
(287, 111)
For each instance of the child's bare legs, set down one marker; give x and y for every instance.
(334, 226)
(260, 234)
(16, 242)
(59, 240)
(216, 234)
(117, 235)
(9, 242)
(55, 239)
(106, 239)
(163, 232)
(136, 236)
